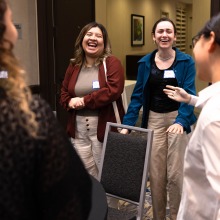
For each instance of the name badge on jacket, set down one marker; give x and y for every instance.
(169, 74)
(3, 74)
(95, 84)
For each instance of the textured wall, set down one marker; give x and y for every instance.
(24, 14)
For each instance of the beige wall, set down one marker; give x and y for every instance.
(115, 15)
(24, 13)
(100, 9)
(118, 22)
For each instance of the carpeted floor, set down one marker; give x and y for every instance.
(148, 212)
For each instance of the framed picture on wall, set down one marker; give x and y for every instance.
(137, 30)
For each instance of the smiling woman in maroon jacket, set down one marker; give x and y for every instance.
(87, 95)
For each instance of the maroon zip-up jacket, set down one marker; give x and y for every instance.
(100, 99)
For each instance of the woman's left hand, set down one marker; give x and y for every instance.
(176, 129)
(77, 103)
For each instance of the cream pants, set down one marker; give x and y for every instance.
(86, 143)
(166, 165)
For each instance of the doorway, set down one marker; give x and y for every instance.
(59, 23)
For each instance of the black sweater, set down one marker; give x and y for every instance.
(40, 178)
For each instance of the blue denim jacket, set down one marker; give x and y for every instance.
(184, 69)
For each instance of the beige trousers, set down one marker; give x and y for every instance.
(86, 143)
(89, 148)
(166, 165)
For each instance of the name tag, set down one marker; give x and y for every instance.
(95, 84)
(3, 74)
(169, 74)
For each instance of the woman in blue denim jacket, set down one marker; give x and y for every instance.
(170, 120)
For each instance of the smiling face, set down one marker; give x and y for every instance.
(164, 35)
(93, 43)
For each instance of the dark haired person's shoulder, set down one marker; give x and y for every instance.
(146, 58)
(39, 103)
(42, 109)
(182, 55)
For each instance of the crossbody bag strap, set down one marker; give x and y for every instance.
(117, 116)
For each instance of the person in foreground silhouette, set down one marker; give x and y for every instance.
(41, 176)
(201, 182)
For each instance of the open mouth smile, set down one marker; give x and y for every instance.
(92, 44)
(164, 40)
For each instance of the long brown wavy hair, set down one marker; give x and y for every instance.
(79, 54)
(15, 87)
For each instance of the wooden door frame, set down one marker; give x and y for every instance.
(47, 88)
(46, 61)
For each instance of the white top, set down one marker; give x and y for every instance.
(201, 185)
(193, 100)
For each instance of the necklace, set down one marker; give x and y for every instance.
(164, 59)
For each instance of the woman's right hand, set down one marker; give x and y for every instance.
(124, 131)
(178, 94)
